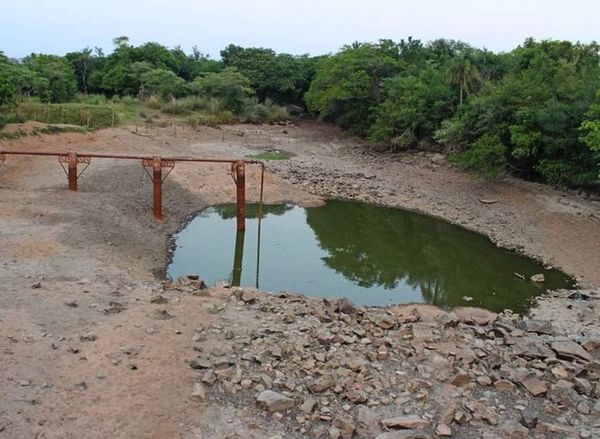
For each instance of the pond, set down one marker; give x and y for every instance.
(371, 255)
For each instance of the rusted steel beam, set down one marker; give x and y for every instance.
(240, 182)
(72, 171)
(157, 187)
(238, 168)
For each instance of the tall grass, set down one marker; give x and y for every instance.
(199, 110)
(88, 115)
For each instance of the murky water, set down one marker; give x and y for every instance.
(371, 255)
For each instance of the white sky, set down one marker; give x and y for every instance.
(298, 26)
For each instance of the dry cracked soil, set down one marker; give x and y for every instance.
(95, 344)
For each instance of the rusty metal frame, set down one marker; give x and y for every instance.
(157, 163)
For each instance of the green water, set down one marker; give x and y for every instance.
(368, 254)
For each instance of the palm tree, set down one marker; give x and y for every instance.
(463, 73)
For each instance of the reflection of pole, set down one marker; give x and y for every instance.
(238, 259)
(258, 248)
(240, 181)
(260, 215)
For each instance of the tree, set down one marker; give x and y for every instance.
(163, 83)
(58, 74)
(229, 85)
(412, 108)
(464, 74)
(281, 77)
(347, 86)
(535, 111)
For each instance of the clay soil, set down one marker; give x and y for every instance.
(84, 354)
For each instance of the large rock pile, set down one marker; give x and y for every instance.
(303, 367)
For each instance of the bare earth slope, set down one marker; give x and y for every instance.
(84, 352)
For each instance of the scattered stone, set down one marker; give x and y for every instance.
(443, 430)
(274, 402)
(538, 278)
(475, 316)
(72, 304)
(409, 422)
(159, 299)
(114, 308)
(198, 392)
(88, 337)
(570, 349)
(201, 363)
(534, 385)
(513, 430)
(538, 326)
(529, 417)
(308, 405)
(162, 314)
(484, 381)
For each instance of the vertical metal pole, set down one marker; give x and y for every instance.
(72, 162)
(157, 187)
(240, 181)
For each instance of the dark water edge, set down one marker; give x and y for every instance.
(372, 255)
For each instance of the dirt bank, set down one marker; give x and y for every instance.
(84, 350)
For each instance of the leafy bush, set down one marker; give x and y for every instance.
(486, 157)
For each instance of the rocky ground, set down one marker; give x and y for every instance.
(94, 343)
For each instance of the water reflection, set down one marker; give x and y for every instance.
(372, 255)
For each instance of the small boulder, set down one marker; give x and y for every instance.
(274, 401)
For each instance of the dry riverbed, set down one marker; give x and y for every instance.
(94, 344)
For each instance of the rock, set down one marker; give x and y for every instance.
(159, 299)
(367, 421)
(201, 363)
(246, 384)
(538, 326)
(538, 278)
(321, 384)
(529, 417)
(408, 422)
(443, 430)
(406, 434)
(36, 285)
(385, 322)
(513, 430)
(308, 405)
(461, 378)
(198, 392)
(274, 402)
(570, 349)
(484, 381)
(477, 316)
(346, 426)
(534, 385)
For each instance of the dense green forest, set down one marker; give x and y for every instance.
(533, 112)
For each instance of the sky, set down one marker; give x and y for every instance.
(298, 27)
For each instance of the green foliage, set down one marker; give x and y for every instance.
(56, 81)
(281, 77)
(535, 111)
(163, 83)
(230, 86)
(487, 156)
(590, 128)
(412, 109)
(347, 86)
